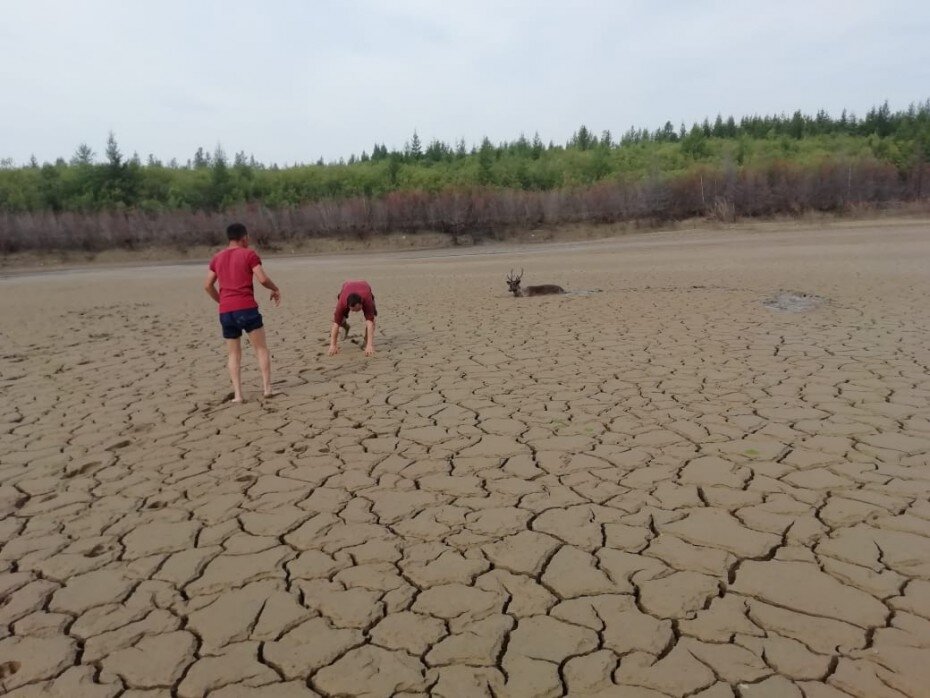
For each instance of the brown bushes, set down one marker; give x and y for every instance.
(723, 194)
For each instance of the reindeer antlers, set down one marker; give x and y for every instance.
(511, 277)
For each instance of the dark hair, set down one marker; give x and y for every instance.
(236, 231)
(353, 300)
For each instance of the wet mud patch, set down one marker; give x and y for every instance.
(794, 301)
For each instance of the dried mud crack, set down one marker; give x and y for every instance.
(657, 489)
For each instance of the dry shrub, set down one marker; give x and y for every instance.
(723, 210)
(476, 213)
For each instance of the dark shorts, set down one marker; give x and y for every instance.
(237, 321)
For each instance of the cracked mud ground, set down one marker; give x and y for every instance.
(664, 489)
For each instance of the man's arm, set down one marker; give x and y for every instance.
(370, 336)
(266, 281)
(334, 339)
(210, 286)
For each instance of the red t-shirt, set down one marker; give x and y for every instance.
(233, 267)
(368, 301)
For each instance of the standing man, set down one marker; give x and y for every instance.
(354, 296)
(234, 267)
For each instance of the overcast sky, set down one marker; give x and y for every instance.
(294, 80)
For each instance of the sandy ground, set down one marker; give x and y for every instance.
(666, 488)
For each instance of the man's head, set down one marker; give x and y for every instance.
(236, 232)
(354, 301)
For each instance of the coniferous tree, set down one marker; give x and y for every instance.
(796, 125)
(537, 147)
(83, 155)
(219, 179)
(582, 138)
(485, 162)
(113, 189)
(416, 148)
(201, 159)
(114, 156)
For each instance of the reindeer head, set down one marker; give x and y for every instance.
(513, 282)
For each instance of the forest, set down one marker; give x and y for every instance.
(725, 168)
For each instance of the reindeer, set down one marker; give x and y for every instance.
(513, 283)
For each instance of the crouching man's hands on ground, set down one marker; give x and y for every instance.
(369, 339)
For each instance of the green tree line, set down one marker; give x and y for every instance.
(211, 181)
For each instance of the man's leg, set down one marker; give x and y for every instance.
(257, 338)
(234, 349)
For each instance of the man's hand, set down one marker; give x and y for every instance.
(333, 350)
(276, 297)
(369, 350)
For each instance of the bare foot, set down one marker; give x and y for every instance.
(270, 394)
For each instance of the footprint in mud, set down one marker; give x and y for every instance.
(83, 469)
(96, 551)
(7, 669)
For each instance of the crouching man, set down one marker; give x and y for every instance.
(354, 296)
